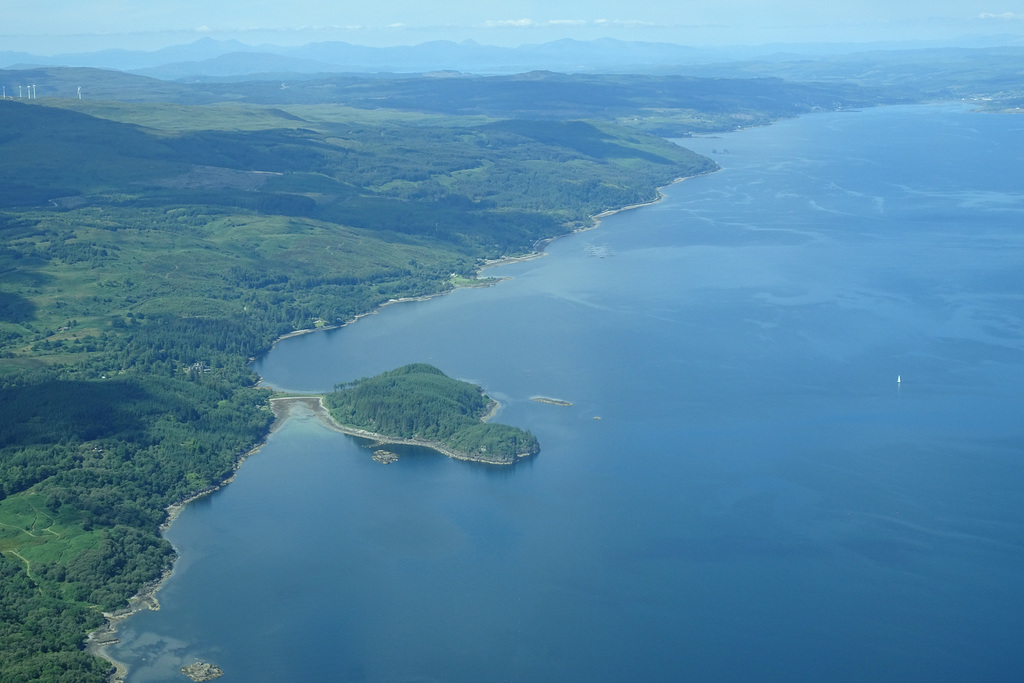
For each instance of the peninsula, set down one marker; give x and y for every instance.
(418, 404)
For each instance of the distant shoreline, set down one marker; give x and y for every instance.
(595, 221)
(538, 251)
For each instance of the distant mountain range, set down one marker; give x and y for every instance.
(209, 59)
(230, 58)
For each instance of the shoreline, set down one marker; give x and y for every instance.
(538, 252)
(405, 299)
(595, 222)
(661, 196)
(98, 640)
(282, 407)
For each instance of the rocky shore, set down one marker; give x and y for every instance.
(97, 642)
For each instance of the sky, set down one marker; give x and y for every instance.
(54, 26)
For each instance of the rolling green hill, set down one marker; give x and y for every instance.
(672, 105)
(275, 220)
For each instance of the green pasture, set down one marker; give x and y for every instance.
(36, 536)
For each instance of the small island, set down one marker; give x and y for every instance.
(418, 404)
(552, 401)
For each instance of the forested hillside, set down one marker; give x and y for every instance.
(671, 105)
(149, 251)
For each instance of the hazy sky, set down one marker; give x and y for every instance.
(51, 26)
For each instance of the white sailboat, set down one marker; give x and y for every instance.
(898, 380)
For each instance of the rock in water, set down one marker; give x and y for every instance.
(202, 671)
(385, 457)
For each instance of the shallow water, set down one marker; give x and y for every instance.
(760, 499)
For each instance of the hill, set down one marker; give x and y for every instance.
(669, 104)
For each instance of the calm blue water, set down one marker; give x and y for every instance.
(760, 500)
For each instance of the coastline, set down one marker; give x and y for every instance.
(100, 639)
(538, 252)
(596, 218)
(595, 221)
(299, 333)
(282, 406)
(97, 641)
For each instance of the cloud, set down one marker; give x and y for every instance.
(1004, 16)
(569, 23)
(505, 23)
(634, 23)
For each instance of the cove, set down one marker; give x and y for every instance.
(759, 499)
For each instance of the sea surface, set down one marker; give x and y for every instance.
(741, 490)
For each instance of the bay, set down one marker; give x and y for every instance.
(759, 498)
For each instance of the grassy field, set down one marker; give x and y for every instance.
(38, 537)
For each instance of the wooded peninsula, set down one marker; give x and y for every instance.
(418, 404)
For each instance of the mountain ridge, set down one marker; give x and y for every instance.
(206, 57)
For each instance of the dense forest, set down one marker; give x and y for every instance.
(420, 402)
(149, 251)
